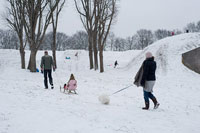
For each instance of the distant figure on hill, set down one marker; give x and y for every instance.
(187, 31)
(146, 78)
(71, 85)
(46, 67)
(172, 33)
(115, 64)
(76, 54)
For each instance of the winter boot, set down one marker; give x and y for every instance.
(52, 86)
(146, 106)
(156, 104)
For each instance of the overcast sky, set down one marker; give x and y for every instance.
(134, 15)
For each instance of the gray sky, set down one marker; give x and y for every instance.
(136, 14)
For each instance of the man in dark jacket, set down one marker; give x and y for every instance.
(46, 67)
(148, 80)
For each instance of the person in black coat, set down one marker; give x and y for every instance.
(115, 64)
(148, 80)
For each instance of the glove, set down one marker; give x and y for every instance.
(41, 70)
(54, 69)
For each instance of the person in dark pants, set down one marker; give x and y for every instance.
(46, 67)
(115, 64)
(148, 80)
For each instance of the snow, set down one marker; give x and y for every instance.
(26, 107)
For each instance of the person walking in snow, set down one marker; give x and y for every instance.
(115, 64)
(71, 84)
(46, 67)
(148, 80)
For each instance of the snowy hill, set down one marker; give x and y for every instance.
(169, 49)
(26, 107)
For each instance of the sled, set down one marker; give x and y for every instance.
(66, 91)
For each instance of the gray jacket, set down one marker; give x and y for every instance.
(47, 62)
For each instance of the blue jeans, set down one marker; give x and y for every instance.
(148, 95)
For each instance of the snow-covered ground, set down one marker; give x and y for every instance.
(26, 107)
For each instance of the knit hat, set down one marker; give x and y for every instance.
(149, 55)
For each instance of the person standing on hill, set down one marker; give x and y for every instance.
(148, 80)
(115, 64)
(46, 67)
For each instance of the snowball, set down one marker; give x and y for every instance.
(104, 99)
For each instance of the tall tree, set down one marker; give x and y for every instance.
(106, 11)
(86, 10)
(15, 19)
(54, 19)
(37, 18)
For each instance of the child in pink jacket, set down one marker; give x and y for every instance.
(71, 85)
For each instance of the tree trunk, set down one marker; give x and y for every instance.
(22, 54)
(54, 58)
(90, 53)
(54, 49)
(95, 59)
(101, 60)
(32, 61)
(95, 53)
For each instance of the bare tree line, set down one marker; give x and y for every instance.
(9, 40)
(30, 20)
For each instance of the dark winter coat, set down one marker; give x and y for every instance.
(149, 68)
(116, 63)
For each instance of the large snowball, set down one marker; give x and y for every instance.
(104, 99)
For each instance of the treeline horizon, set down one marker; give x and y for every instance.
(79, 41)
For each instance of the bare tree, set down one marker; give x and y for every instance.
(9, 39)
(37, 17)
(61, 40)
(106, 10)
(81, 40)
(110, 41)
(16, 22)
(97, 17)
(130, 43)
(198, 26)
(145, 38)
(86, 10)
(54, 19)
(161, 33)
(191, 27)
(120, 44)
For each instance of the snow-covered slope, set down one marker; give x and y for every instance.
(26, 107)
(168, 51)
